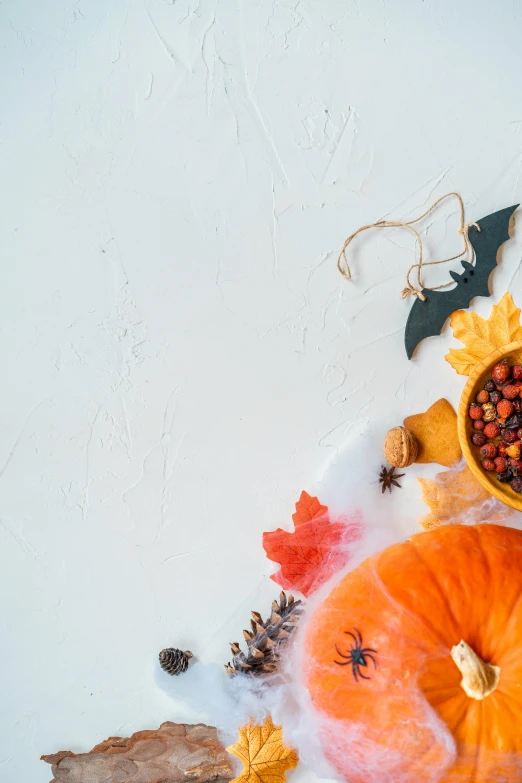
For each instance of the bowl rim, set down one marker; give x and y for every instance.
(492, 358)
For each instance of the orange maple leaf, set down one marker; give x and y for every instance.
(315, 550)
(306, 508)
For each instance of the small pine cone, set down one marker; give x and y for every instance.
(174, 661)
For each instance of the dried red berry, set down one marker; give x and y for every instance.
(514, 422)
(478, 438)
(517, 372)
(504, 409)
(488, 450)
(475, 411)
(510, 391)
(492, 429)
(516, 464)
(510, 436)
(516, 483)
(479, 424)
(483, 396)
(517, 404)
(495, 397)
(490, 386)
(502, 448)
(500, 372)
(501, 464)
(488, 464)
(519, 434)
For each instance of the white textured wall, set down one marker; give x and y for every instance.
(179, 355)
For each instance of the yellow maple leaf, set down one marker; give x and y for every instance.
(481, 336)
(456, 496)
(264, 755)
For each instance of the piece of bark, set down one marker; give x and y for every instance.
(174, 753)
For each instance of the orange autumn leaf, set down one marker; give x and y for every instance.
(455, 496)
(481, 336)
(315, 550)
(263, 753)
(306, 508)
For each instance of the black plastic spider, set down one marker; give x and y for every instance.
(357, 656)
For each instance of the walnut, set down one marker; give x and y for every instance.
(400, 447)
(490, 412)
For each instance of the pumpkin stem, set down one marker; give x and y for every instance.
(479, 678)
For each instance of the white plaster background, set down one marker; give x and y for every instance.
(180, 356)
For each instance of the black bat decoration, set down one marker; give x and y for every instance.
(427, 318)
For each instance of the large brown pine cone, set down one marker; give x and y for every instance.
(265, 640)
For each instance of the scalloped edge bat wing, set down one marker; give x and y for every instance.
(427, 318)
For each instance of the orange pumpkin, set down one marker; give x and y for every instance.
(414, 661)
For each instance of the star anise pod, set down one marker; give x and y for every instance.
(388, 477)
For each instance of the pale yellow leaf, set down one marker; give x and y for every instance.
(264, 755)
(456, 497)
(429, 492)
(462, 360)
(481, 336)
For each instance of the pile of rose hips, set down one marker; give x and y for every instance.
(497, 420)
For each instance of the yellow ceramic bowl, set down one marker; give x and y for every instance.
(481, 373)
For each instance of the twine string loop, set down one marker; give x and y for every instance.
(410, 289)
